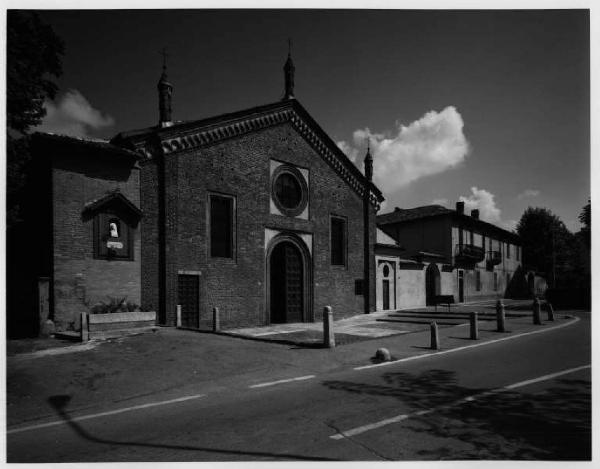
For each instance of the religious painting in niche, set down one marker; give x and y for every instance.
(113, 237)
(114, 219)
(289, 190)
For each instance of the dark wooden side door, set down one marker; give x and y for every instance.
(386, 294)
(189, 299)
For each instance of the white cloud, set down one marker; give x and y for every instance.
(427, 146)
(528, 193)
(72, 114)
(350, 152)
(484, 201)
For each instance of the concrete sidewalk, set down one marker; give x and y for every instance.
(376, 325)
(171, 363)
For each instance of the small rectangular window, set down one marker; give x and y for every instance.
(338, 241)
(478, 280)
(508, 250)
(495, 281)
(221, 226)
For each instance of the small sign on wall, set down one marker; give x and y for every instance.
(114, 245)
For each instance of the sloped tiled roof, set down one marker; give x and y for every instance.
(112, 197)
(401, 214)
(89, 143)
(183, 136)
(383, 238)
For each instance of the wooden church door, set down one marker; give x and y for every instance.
(287, 276)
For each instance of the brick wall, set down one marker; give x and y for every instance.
(241, 167)
(79, 279)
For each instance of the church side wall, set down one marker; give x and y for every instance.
(79, 279)
(240, 167)
(149, 233)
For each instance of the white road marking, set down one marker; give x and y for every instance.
(104, 414)
(272, 383)
(55, 351)
(399, 418)
(458, 349)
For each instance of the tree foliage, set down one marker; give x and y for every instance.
(34, 56)
(585, 217)
(549, 247)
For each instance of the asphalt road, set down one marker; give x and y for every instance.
(528, 398)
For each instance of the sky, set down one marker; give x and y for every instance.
(488, 107)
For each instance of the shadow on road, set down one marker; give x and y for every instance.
(553, 424)
(59, 403)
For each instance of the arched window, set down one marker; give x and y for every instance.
(386, 271)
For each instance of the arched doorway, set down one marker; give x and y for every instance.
(432, 283)
(386, 285)
(288, 281)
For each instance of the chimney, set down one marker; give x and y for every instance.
(460, 208)
(475, 214)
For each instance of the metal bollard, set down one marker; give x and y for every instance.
(216, 320)
(500, 317)
(537, 319)
(85, 332)
(474, 326)
(435, 338)
(328, 334)
(550, 311)
(178, 315)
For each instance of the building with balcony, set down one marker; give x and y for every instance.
(444, 252)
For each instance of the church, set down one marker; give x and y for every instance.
(256, 212)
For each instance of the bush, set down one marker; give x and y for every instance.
(115, 305)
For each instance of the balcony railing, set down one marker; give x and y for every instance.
(469, 253)
(494, 257)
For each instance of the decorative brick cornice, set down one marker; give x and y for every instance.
(174, 140)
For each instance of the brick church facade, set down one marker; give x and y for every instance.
(256, 212)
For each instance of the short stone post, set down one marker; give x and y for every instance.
(328, 334)
(216, 320)
(550, 311)
(474, 325)
(537, 319)
(85, 331)
(500, 316)
(435, 338)
(178, 315)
